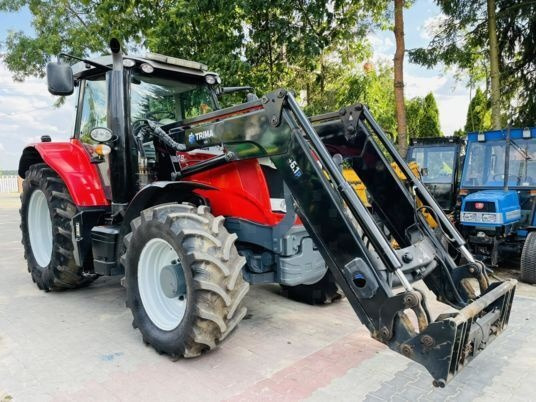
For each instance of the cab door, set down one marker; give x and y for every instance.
(92, 112)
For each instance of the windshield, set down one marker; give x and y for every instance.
(485, 163)
(168, 100)
(436, 163)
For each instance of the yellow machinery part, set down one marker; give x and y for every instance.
(351, 177)
(414, 166)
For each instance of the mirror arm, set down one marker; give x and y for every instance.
(230, 90)
(91, 63)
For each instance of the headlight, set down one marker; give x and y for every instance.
(101, 134)
(469, 216)
(129, 63)
(147, 68)
(210, 79)
(489, 217)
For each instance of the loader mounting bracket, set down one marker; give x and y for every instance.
(396, 305)
(273, 105)
(350, 117)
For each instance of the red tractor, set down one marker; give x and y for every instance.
(192, 203)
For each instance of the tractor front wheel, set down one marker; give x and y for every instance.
(184, 279)
(46, 212)
(528, 259)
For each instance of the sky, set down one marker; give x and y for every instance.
(27, 110)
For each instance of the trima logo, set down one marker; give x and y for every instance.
(203, 135)
(200, 136)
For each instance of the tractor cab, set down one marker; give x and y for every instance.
(439, 165)
(498, 186)
(155, 88)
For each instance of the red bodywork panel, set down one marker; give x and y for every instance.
(242, 188)
(243, 191)
(72, 163)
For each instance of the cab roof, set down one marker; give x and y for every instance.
(494, 135)
(157, 61)
(435, 141)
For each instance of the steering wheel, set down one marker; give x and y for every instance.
(141, 129)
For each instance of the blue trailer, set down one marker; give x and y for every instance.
(498, 197)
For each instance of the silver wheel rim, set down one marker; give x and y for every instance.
(165, 312)
(40, 228)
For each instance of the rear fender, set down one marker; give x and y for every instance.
(72, 163)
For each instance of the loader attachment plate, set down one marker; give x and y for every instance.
(448, 344)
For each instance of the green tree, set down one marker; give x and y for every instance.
(423, 117)
(415, 113)
(312, 46)
(430, 126)
(459, 133)
(465, 39)
(478, 113)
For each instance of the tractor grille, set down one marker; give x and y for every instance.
(471, 206)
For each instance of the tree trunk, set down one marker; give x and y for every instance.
(399, 78)
(494, 67)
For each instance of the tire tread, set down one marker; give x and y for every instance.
(62, 271)
(218, 286)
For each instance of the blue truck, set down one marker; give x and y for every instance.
(498, 197)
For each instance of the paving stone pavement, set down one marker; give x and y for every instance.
(80, 345)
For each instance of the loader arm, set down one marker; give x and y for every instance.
(355, 243)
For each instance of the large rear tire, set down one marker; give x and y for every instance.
(184, 279)
(528, 259)
(323, 292)
(46, 212)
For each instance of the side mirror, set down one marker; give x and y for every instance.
(60, 79)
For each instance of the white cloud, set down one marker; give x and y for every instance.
(421, 86)
(452, 112)
(27, 112)
(431, 26)
(382, 46)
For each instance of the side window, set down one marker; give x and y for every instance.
(94, 107)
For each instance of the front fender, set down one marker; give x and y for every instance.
(160, 192)
(72, 163)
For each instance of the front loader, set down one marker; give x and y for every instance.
(192, 203)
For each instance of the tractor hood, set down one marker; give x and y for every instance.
(490, 208)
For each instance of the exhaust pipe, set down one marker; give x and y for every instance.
(122, 160)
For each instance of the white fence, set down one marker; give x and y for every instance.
(8, 184)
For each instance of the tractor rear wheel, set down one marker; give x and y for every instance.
(184, 279)
(322, 292)
(46, 212)
(528, 259)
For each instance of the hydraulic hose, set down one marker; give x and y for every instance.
(164, 137)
